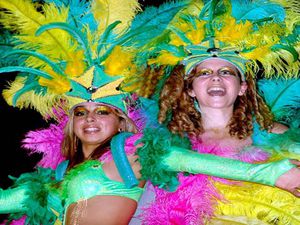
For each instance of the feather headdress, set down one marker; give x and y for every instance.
(250, 34)
(69, 54)
(72, 51)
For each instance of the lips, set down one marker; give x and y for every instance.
(91, 129)
(216, 91)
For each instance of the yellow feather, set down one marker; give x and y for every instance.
(23, 17)
(42, 103)
(165, 58)
(264, 203)
(117, 61)
(233, 32)
(107, 12)
(57, 85)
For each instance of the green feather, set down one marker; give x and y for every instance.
(290, 49)
(105, 35)
(31, 86)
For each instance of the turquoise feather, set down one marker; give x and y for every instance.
(78, 11)
(53, 65)
(250, 10)
(154, 20)
(283, 98)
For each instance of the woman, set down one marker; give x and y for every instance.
(220, 124)
(92, 125)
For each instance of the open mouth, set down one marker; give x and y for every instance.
(91, 129)
(216, 91)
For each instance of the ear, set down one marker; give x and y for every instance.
(192, 93)
(122, 125)
(243, 89)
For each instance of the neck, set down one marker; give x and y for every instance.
(215, 118)
(88, 150)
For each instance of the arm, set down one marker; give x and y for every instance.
(161, 161)
(180, 159)
(12, 200)
(35, 195)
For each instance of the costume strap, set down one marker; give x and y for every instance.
(121, 160)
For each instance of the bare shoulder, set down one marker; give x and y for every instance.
(279, 128)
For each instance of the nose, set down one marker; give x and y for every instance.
(90, 117)
(216, 77)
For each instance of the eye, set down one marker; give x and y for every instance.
(204, 72)
(227, 71)
(79, 112)
(103, 110)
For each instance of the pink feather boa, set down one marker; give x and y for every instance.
(195, 199)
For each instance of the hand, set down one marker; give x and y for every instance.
(290, 181)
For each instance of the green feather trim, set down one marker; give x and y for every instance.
(43, 201)
(156, 144)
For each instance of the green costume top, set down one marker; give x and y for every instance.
(88, 179)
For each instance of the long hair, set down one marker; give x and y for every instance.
(71, 145)
(174, 99)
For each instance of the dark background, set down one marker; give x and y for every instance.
(15, 123)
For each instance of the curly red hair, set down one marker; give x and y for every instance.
(174, 99)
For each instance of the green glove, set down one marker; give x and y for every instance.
(11, 200)
(36, 195)
(182, 160)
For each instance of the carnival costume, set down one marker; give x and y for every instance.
(251, 35)
(69, 54)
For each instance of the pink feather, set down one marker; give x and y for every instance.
(196, 197)
(47, 142)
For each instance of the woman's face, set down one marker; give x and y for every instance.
(94, 124)
(217, 84)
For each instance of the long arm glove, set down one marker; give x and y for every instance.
(12, 200)
(161, 161)
(180, 159)
(35, 195)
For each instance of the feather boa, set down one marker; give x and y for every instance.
(200, 198)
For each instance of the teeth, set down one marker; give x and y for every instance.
(91, 129)
(216, 89)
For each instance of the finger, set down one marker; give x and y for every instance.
(295, 162)
(296, 192)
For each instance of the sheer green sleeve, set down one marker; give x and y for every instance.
(163, 155)
(36, 195)
(12, 200)
(180, 159)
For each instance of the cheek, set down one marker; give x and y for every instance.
(112, 124)
(76, 125)
(198, 88)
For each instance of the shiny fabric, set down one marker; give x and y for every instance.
(89, 180)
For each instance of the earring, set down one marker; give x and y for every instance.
(120, 130)
(196, 105)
